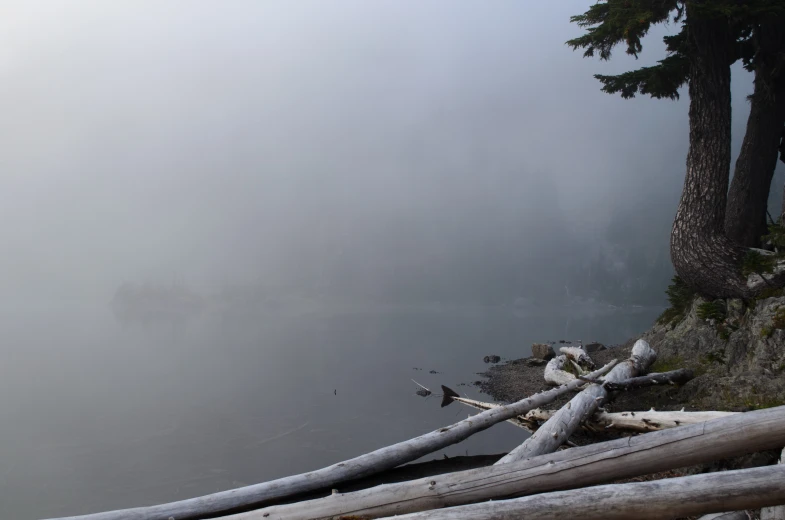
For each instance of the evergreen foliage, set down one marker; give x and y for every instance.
(755, 262)
(776, 237)
(712, 310)
(680, 296)
(609, 23)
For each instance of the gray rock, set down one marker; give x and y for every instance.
(535, 362)
(742, 358)
(594, 347)
(543, 351)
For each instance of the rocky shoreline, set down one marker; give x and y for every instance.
(737, 354)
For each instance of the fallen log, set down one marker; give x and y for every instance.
(558, 371)
(778, 512)
(569, 469)
(728, 515)
(675, 377)
(579, 357)
(572, 363)
(667, 498)
(226, 502)
(640, 422)
(558, 429)
(449, 396)
(633, 421)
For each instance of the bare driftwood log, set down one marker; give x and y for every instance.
(557, 371)
(668, 498)
(569, 469)
(573, 362)
(627, 421)
(578, 356)
(778, 512)
(728, 515)
(633, 421)
(225, 502)
(449, 396)
(558, 428)
(675, 377)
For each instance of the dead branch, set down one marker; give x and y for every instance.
(675, 377)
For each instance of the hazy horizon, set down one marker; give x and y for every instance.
(377, 149)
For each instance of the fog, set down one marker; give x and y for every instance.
(377, 150)
(400, 171)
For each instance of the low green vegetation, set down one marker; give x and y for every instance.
(776, 237)
(668, 364)
(712, 310)
(680, 297)
(770, 292)
(755, 262)
(778, 321)
(716, 356)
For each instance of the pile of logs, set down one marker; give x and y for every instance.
(537, 479)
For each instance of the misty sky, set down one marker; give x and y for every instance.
(245, 140)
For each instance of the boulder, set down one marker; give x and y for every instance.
(594, 347)
(543, 351)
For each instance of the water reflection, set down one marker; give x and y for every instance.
(99, 416)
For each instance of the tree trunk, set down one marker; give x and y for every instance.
(745, 218)
(701, 253)
(569, 469)
(667, 498)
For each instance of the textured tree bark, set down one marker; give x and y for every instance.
(569, 469)
(701, 253)
(745, 218)
(557, 430)
(667, 498)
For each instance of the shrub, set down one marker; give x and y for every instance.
(680, 297)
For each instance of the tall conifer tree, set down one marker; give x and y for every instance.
(713, 35)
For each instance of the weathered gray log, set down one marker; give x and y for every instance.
(380, 460)
(578, 356)
(558, 371)
(449, 396)
(557, 430)
(569, 469)
(668, 498)
(628, 421)
(573, 361)
(778, 512)
(728, 515)
(675, 377)
(633, 421)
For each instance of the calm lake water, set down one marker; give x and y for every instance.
(95, 416)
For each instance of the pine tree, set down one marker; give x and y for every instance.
(713, 35)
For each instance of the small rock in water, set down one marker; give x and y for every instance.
(434, 372)
(422, 392)
(491, 359)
